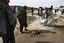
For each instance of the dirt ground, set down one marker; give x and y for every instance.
(53, 35)
(56, 36)
(48, 34)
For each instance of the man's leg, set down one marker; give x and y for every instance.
(11, 36)
(21, 28)
(5, 38)
(21, 25)
(25, 24)
(26, 29)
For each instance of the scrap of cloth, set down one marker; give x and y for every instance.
(4, 7)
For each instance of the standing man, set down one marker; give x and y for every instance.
(40, 11)
(32, 10)
(51, 8)
(23, 18)
(7, 22)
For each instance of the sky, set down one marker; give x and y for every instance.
(37, 3)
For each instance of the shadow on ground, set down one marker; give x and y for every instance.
(57, 26)
(39, 32)
(27, 32)
(43, 42)
(47, 31)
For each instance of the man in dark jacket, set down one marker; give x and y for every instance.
(32, 10)
(23, 18)
(7, 22)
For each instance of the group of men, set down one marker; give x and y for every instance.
(8, 21)
(46, 14)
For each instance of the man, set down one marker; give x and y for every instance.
(32, 10)
(23, 18)
(51, 8)
(40, 11)
(7, 22)
(49, 18)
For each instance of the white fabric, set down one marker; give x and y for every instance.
(42, 20)
(50, 20)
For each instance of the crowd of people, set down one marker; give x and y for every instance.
(8, 20)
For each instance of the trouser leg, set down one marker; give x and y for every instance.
(45, 23)
(5, 38)
(21, 28)
(11, 36)
(21, 24)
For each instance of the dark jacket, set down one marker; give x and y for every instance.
(23, 17)
(4, 7)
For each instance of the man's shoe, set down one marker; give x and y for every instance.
(21, 32)
(26, 30)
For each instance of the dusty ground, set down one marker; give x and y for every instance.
(49, 34)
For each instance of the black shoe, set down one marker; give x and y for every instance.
(26, 30)
(21, 33)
